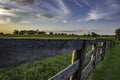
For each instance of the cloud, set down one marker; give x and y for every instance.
(65, 21)
(24, 1)
(95, 15)
(105, 11)
(5, 11)
(115, 5)
(34, 9)
(4, 8)
(63, 7)
(5, 21)
(59, 10)
(78, 3)
(44, 16)
(81, 3)
(86, 2)
(47, 10)
(24, 21)
(2, 22)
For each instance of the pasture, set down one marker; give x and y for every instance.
(55, 36)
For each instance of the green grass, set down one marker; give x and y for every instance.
(109, 68)
(55, 36)
(40, 36)
(37, 70)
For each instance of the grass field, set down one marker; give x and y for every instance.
(109, 68)
(37, 70)
(46, 68)
(55, 36)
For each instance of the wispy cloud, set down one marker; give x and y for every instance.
(78, 3)
(5, 11)
(95, 15)
(59, 10)
(47, 10)
(35, 8)
(24, 1)
(104, 11)
(2, 22)
(5, 21)
(65, 21)
(81, 3)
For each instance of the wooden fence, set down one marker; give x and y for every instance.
(77, 70)
(17, 51)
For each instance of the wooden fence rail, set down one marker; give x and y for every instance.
(17, 51)
(77, 70)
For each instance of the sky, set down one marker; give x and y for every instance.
(69, 16)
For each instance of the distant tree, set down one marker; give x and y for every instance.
(37, 31)
(59, 33)
(42, 33)
(84, 35)
(56, 33)
(117, 33)
(1, 33)
(31, 32)
(94, 34)
(63, 34)
(16, 32)
(23, 32)
(88, 35)
(8, 34)
(70, 34)
(73, 34)
(51, 33)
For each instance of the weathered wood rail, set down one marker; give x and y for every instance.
(77, 70)
(17, 51)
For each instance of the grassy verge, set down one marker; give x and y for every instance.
(55, 36)
(37, 70)
(109, 68)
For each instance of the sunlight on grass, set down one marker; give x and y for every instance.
(109, 68)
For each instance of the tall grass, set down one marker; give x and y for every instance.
(37, 70)
(109, 68)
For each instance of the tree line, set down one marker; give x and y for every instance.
(117, 33)
(37, 32)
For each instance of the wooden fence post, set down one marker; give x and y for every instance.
(103, 49)
(79, 55)
(95, 53)
(107, 45)
(111, 44)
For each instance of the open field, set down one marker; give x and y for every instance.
(55, 36)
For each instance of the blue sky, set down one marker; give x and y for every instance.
(71, 16)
